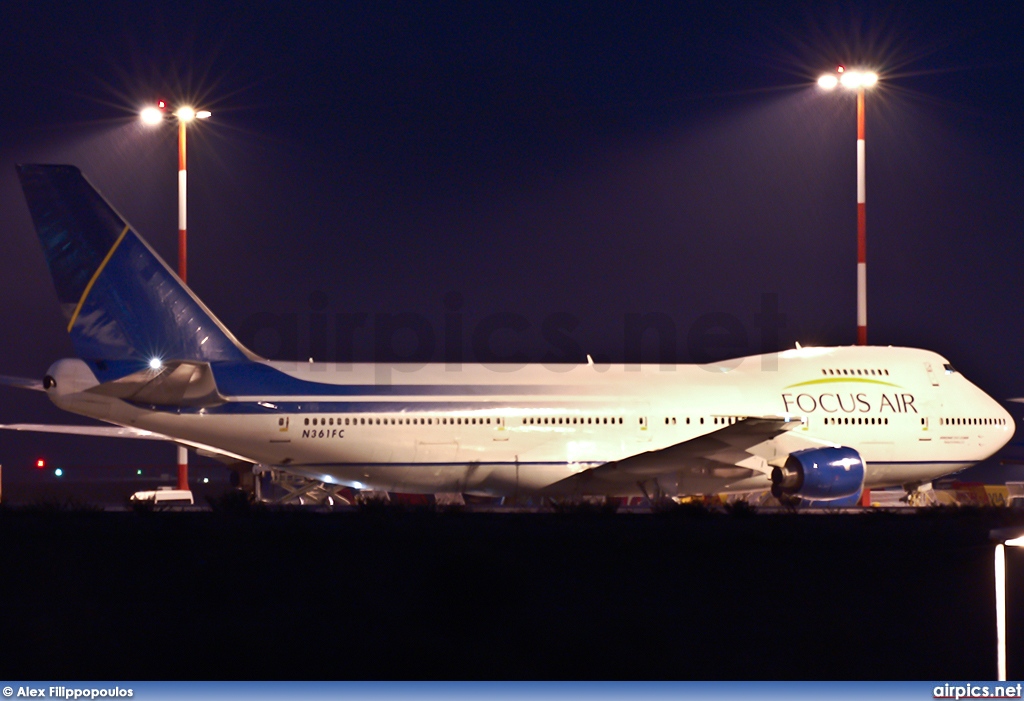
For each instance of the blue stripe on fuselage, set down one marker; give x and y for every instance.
(252, 379)
(363, 407)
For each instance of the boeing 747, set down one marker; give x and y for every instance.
(812, 423)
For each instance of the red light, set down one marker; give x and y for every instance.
(40, 463)
(161, 105)
(840, 69)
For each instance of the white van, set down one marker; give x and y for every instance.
(166, 496)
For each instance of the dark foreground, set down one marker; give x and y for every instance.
(391, 594)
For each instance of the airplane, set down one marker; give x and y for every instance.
(810, 423)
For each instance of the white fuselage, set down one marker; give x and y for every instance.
(498, 428)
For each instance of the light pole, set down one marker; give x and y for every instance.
(858, 81)
(1003, 537)
(185, 115)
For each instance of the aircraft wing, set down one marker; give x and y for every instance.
(743, 450)
(124, 432)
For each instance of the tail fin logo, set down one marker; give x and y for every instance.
(123, 302)
(92, 281)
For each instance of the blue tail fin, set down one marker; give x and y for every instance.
(121, 301)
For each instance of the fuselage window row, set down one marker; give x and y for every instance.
(858, 421)
(603, 420)
(401, 421)
(972, 422)
(861, 371)
(549, 420)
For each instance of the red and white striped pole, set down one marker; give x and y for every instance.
(182, 265)
(857, 80)
(862, 224)
(154, 116)
(182, 216)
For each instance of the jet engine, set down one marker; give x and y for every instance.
(822, 474)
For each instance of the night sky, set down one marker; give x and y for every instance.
(568, 165)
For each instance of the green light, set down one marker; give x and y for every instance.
(59, 472)
(138, 472)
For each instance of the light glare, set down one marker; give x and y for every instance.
(155, 363)
(203, 114)
(185, 114)
(852, 79)
(870, 79)
(151, 116)
(828, 81)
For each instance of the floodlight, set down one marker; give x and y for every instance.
(151, 116)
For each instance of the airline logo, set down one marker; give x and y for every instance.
(813, 399)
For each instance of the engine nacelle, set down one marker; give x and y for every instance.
(822, 474)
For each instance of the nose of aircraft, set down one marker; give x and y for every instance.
(1009, 420)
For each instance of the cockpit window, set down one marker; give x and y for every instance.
(949, 368)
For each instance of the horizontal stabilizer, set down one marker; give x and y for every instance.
(178, 383)
(22, 382)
